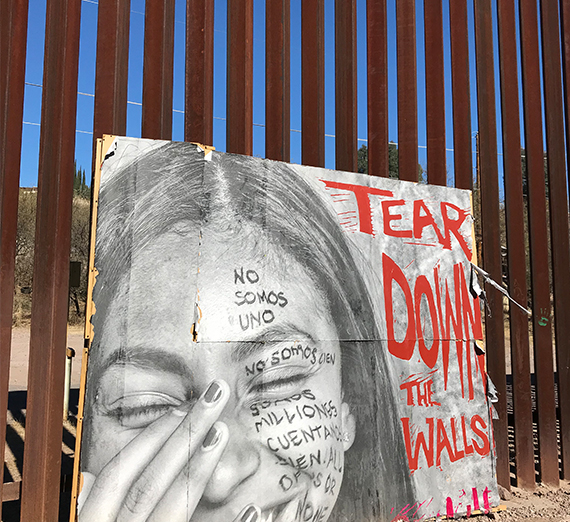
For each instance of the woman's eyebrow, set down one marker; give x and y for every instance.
(150, 358)
(247, 347)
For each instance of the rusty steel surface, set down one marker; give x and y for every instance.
(565, 32)
(5, 18)
(516, 248)
(563, 353)
(111, 74)
(158, 70)
(377, 66)
(313, 82)
(240, 77)
(488, 178)
(564, 356)
(407, 90)
(538, 231)
(277, 97)
(346, 141)
(558, 199)
(48, 334)
(199, 90)
(13, 35)
(435, 93)
(459, 35)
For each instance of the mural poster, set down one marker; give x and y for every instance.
(279, 343)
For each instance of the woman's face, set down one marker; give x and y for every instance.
(216, 311)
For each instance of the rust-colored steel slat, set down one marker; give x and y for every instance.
(199, 104)
(565, 31)
(563, 351)
(158, 70)
(5, 19)
(277, 84)
(488, 177)
(313, 82)
(240, 77)
(14, 32)
(515, 218)
(538, 234)
(377, 65)
(435, 93)
(407, 90)
(459, 35)
(345, 85)
(48, 336)
(111, 73)
(558, 197)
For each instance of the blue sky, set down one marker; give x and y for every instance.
(86, 83)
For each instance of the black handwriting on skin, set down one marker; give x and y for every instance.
(263, 405)
(297, 437)
(307, 353)
(331, 458)
(273, 298)
(306, 512)
(241, 276)
(326, 410)
(247, 321)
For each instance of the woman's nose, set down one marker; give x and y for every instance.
(239, 462)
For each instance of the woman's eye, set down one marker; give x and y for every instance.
(280, 382)
(138, 411)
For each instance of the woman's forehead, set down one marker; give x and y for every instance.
(224, 290)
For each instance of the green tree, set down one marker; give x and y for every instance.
(80, 187)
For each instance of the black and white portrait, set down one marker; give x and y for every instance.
(239, 368)
(235, 372)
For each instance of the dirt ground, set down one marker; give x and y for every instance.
(545, 504)
(20, 356)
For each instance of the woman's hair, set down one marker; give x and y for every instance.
(173, 184)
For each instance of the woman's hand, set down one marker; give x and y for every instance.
(140, 483)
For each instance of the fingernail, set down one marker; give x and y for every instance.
(251, 514)
(213, 393)
(212, 438)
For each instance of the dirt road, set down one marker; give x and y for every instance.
(20, 356)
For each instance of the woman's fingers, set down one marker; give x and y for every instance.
(181, 499)
(249, 513)
(133, 482)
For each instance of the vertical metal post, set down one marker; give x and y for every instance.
(407, 90)
(111, 73)
(69, 355)
(313, 82)
(277, 87)
(345, 85)
(42, 458)
(463, 161)
(377, 66)
(435, 93)
(559, 232)
(198, 114)
(538, 231)
(240, 77)
(158, 70)
(494, 327)
(13, 33)
(515, 218)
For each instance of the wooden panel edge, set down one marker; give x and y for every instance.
(103, 146)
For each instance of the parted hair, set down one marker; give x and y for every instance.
(173, 184)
